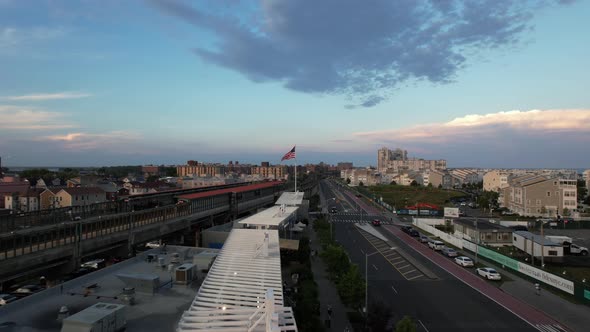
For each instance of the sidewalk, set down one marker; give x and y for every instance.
(575, 316)
(327, 290)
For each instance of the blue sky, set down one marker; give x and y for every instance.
(479, 83)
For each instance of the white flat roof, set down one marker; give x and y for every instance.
(273, 216)
(290, 198)
(232, 296)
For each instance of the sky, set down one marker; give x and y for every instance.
(481, 83)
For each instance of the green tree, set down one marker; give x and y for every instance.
(566, 212)
(405, 325)
(582, 190)
(430, 185)
(304, 252)
(379, 316)
(152, 178)
(440, 186)
(393, 183)
(170, 171)
(351, 287)
(361, 183)
(336, 259)
(347, 180)
(414, 183)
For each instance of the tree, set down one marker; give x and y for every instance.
(566, 212)
(152, 178)
(393, 183)
(304, 252)
(414, 183)
(440, 186)
(405, 325)
(582, 190)
(351, 287)
(430, 185)
(379, 316)
(361, 184)
(347, 180)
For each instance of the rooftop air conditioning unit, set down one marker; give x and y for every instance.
(185, 274)
(105, 317)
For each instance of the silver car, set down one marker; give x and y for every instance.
(488, 273)
(449, 252)
(464, 261)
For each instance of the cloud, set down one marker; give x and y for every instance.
(30, 118)
(115, 140)
(352, 48)
(47, 96)
(11, 37)
(531, 123)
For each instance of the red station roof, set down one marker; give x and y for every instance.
(230, 190)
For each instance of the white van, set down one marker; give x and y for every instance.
(436, 245)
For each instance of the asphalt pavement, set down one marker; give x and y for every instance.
(441, 304)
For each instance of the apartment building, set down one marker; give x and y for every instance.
(495, 180)
(266, 171)
(539, 195)
(397, 160)
(586, 177)
(465, 176)
(25, 201)
(367, 176)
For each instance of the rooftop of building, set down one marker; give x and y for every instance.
(537, 239)
(482, 224)
(159, 311)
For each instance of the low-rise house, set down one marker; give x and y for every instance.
(79, 197)
(482, 231)
(9, 188)
(47, 198)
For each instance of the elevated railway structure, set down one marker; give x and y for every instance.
(60, 247)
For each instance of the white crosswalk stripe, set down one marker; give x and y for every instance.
(549, 328)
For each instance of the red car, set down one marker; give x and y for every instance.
(376, 222)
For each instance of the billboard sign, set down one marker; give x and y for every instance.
(451, 212)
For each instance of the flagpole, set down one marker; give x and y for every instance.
(295, 174)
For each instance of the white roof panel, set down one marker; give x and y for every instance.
(290, 198)
(273, 216)
(242, 286)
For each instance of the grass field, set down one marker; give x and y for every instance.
(400, 196)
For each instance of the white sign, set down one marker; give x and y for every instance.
(452, 212)
(548, 278)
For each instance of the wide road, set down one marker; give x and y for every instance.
(415, 286)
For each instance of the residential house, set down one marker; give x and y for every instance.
(539, 195)
(79, 196)
(47, 198)
(27, 201)
(9, 188)
(482, 231)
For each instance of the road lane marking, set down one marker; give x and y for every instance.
(414, 277)
(394, 289)
(403, 267)
(408, 272)
(423, 325)
(375, 267)
(362, 251)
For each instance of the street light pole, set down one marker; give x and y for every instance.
(477, 242)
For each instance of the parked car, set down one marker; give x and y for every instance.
(435, 244)
(423, 238)
(27, 290)
(94, 264)
(449, 252)
(376, 222)
(333, 210)
(7, 298)
(464, 261)
(488, 273)
(410, 231)
(153, 244)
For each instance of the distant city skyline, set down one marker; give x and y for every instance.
(486, 84)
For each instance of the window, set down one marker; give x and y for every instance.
(538, 202)
(552, 252)
(548, 194)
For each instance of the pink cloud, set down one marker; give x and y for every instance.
(90, 141)
(531, 123)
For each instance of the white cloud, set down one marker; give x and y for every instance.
(90, 141)
(531, 123)
(47, 96)
(23, 118)
(11, 37)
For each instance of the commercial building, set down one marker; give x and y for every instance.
(482, 231)
(538, 195)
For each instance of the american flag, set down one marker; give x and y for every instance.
(289, 155)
